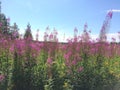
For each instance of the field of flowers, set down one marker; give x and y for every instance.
(80, 64)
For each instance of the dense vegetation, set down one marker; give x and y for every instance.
(80, 64)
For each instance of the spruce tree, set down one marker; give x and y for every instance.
(14, 31)
(28, 34)
(3, 24)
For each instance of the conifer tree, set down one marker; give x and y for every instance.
(28, 33)
(3, 24)
(14, 31)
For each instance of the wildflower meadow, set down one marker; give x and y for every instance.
(79, 64)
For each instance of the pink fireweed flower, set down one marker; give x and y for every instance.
(78, 48)
(40, 45)
(12, 48)
(51, 36)
(34, 55)
(77, 57)
(75, 39)
(49, 61)
(74, 62)
(110, 13)
(20, 46)
(66, 56)
(93, 50)
(35, 47)
(64, 47)
(2, 77)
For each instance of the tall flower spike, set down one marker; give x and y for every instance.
(110, 13)
(105, 26)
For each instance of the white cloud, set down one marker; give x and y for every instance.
(114, 10)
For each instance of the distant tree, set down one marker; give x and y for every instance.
(4, 24)
(14, 31)
(6, 29)
(28, 33)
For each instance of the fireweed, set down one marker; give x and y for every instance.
(79, 64)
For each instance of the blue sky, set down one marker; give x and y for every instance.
(64, 15)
